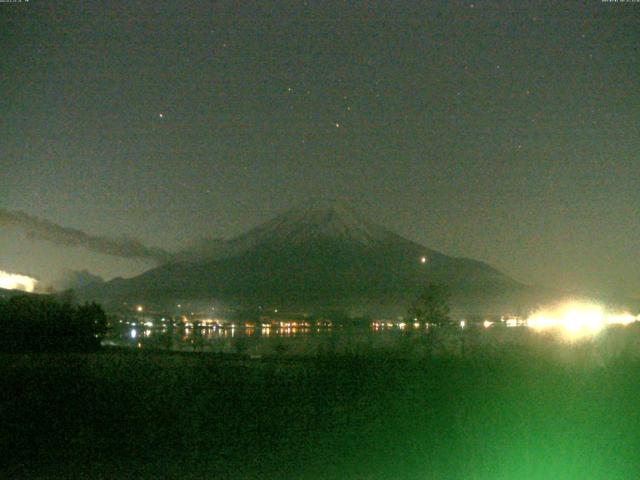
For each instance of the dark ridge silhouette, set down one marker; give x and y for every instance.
(312, 257)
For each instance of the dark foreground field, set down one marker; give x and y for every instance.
(154, 415)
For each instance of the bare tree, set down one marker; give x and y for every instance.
(432, 306)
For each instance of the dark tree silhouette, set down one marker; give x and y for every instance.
(432, 306)
(43, 323)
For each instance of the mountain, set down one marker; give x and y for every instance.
(76, 279)
(320, 257)
(6, 294)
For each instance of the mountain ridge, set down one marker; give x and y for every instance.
(300, 225)
(308, 257)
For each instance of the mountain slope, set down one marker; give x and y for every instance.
(320, 257)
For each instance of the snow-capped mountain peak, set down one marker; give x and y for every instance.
(309, 226)
(324, 221)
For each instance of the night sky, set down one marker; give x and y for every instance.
(507, 132)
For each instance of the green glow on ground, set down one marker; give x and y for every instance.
(507, 415)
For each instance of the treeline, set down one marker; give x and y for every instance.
(31, 323)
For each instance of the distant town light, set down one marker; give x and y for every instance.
(577, 320)
(13, 281)
(511, 322)
(462, 323)
(139, 308)
(423, 259)
(621, 319)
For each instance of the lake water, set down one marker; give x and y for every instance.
(364, 340)
(270, 341)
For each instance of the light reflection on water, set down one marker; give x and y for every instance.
(406, 341)
(259, 340)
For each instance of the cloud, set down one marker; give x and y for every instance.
(40, 229)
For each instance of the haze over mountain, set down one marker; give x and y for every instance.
(320, 257)
(76, 279)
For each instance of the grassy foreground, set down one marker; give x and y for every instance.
(139, 414)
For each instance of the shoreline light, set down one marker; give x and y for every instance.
(577, 319)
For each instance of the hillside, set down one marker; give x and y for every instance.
(311, 258)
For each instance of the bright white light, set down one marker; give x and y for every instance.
(133, 333)
(462, 323)
(139, 308)
(511, 322)
(423, 259)
(487, 324)
(577, 319)
(621, 319)
(13, 281)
